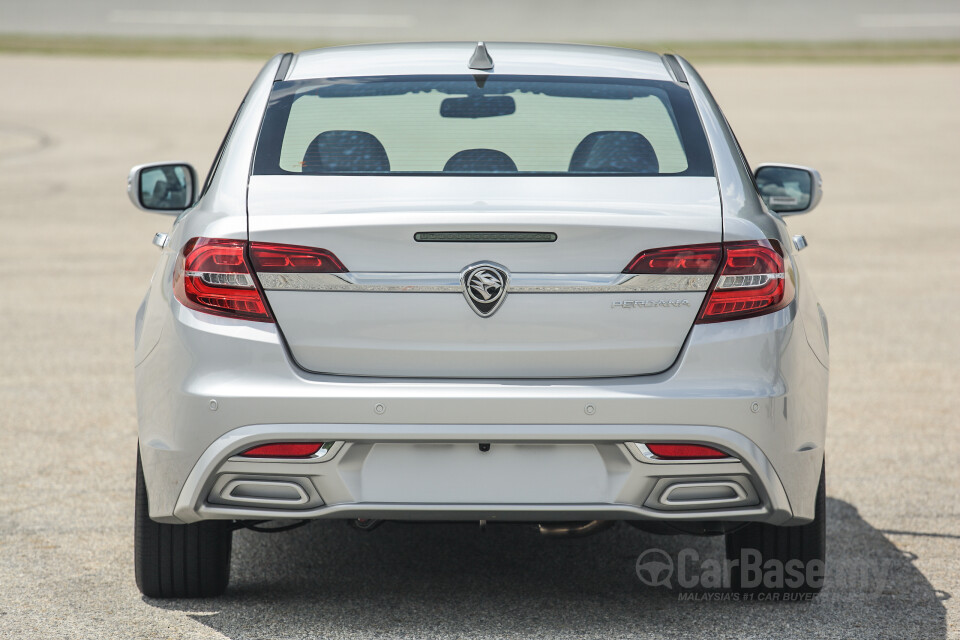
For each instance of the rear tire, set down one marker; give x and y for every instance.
(786, 546)
(179, 560)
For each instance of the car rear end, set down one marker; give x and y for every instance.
(421, 291)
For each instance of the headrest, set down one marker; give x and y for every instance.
(614, 152)
(345, 152)
(480, 161)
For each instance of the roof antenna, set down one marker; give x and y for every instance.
(481, 60)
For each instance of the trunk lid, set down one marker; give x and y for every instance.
(402, 309)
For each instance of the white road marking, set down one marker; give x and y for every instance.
(262, 19)
(908, 20)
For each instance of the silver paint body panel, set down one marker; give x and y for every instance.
(513, 58)
(370, 222)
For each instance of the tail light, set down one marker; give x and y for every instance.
(286, 258)
(698, 259)
(752, 282)
(752, 279)
(213, 275)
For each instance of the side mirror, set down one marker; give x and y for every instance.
(162, 187)
(789, 189)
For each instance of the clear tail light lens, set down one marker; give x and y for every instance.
(752, 281)
(212, 276)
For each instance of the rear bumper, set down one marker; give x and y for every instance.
(530, 472)
(211, 387)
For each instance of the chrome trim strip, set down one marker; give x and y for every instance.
(739, 494)
(602, 283)
(450, 282)
(366, 282)
(227, 492)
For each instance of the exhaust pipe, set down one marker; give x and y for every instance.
(365, 524)
(574, 529)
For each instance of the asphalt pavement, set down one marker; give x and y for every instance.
(75, 259)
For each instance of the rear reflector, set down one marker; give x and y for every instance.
(752, 282)
(284, 450)
(684, 451)
(211, 276)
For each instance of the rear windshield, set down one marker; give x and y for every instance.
(485, 124)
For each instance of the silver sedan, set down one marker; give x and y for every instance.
(501, 283)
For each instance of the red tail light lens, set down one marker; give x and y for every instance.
(285, 258)
(698, 259)
(211, 276)
(752, 281)
(684, 451)
(284, 450)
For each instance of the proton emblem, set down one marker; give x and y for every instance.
(484, 287)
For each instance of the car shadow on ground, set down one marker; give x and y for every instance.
(328, 580)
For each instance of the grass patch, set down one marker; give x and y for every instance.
(767, 52)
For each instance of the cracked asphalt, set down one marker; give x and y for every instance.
(75, 259)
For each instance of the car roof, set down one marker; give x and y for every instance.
(519, 58)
